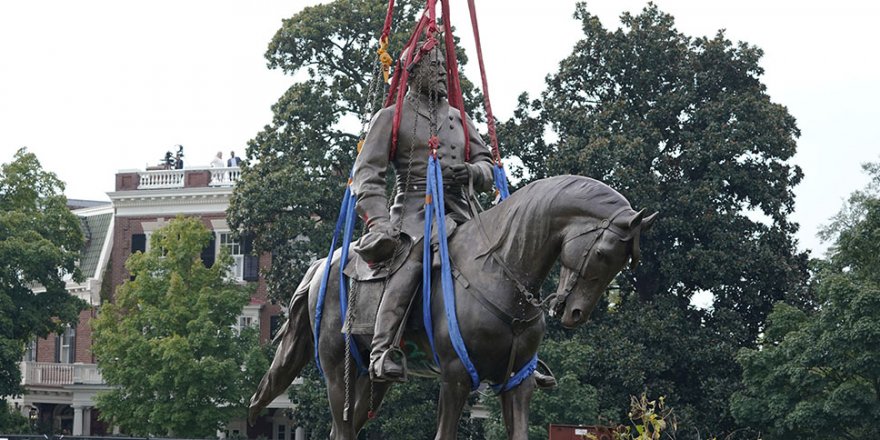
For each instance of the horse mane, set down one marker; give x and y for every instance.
(593, 196)
(521, 215)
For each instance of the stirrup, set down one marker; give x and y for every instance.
(544, 381)
(378, 371)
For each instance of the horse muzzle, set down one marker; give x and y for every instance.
(573, 317)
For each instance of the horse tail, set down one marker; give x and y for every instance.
(294, 350)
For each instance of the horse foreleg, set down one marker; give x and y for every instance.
(515, 409)
(453, 395)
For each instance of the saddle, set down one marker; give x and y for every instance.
(369, 282)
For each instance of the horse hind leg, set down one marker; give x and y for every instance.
(369, 397)
(515, 409)
(343, 427)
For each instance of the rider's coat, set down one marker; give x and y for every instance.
(369, 182)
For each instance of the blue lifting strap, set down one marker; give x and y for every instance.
(426, 263)
(350, 220)
(346, 218)
(501, 181)
(435, 207)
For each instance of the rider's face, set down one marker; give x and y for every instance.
(430, 74)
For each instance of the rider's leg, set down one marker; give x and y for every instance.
(398, 293)
(542, 379)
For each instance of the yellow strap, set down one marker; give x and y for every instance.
(385, 58)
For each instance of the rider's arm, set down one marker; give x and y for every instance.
(480, 163)
(368, 180)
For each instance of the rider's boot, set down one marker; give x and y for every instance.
(545, 381)
(387, 361)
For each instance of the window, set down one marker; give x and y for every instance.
(209, 252)
(138, 242)
(275, 325)
(280, 431)
(65, 346)
(245, 321)
(233, 246)
(30, 355)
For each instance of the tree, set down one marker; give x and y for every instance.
(291, 187)
(167, 344)
(40, 240)
(683, 126)
(816, 373)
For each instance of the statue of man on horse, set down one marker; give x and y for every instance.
(489, 321)
(426, 113)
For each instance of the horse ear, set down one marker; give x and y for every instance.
(637, 219)
(648, 221)
(636, 254)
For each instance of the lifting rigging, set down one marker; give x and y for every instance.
(422, 40)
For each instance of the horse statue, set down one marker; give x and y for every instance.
(590, 228)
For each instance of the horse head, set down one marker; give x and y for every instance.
(593, 253)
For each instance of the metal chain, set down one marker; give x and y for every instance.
(370, 105)
(433, 98)
(347, 407)
(369, 108)
(412, 149)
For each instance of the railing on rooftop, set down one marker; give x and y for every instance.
(165, 179)
(161, 179)
(224, 176)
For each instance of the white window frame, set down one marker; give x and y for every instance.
(250, 317)
(223, 239)
(68, 339)
(281, 431)
(30, 354)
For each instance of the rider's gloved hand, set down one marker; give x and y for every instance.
(377, 246)
(457, 173)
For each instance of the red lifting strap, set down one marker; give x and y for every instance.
(490, 119)
(398, 84)
(389, 16)
(400, 78)
(455, 98)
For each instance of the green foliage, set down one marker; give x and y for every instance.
(40, 240)
(310, 399)
(816, 373)
(11, 420)
(167, 345)
(292, 185)
(683, 126)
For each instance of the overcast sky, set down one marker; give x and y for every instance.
(93, 87)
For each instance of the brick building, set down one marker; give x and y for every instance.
(59, 373)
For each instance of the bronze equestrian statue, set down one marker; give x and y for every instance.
(424, 106)
(590, 228)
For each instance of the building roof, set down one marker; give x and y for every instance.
(96, 229)
(74, 204)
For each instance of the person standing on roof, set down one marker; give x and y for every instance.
(233, 160)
